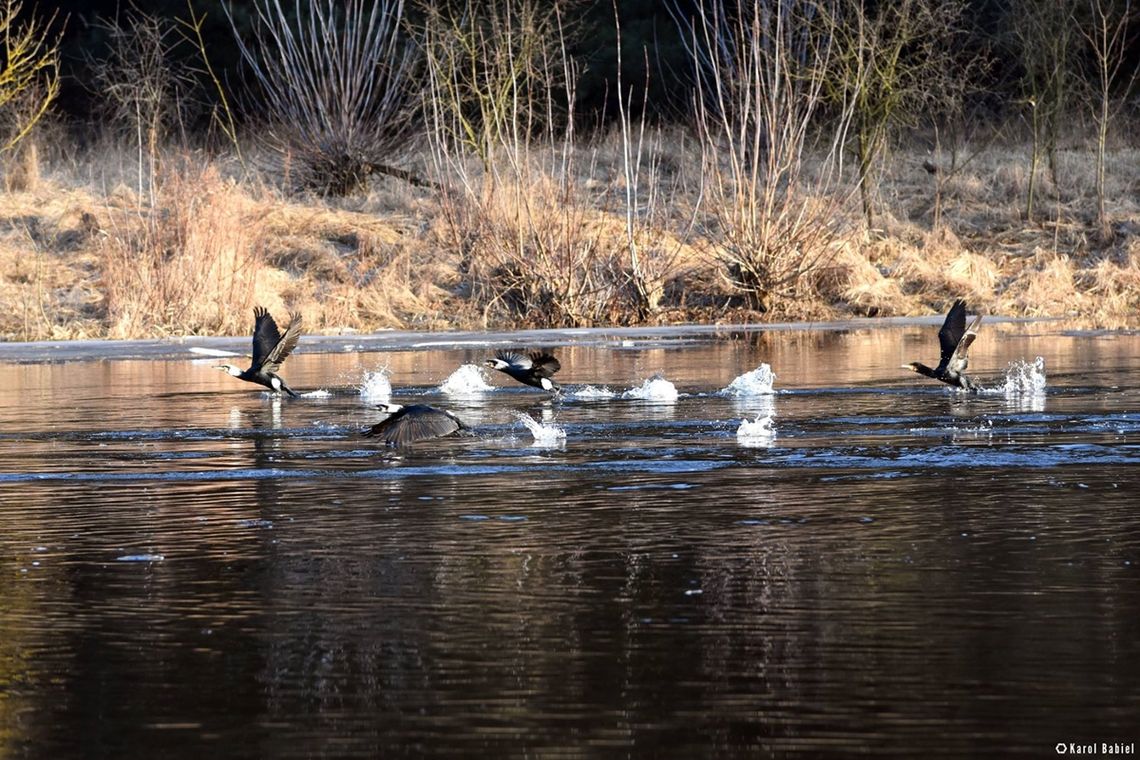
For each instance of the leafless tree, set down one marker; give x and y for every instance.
(889, 61)
(1110, 34)
(1042, 36)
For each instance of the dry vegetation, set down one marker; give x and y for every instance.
(782, 197)
(81, 255)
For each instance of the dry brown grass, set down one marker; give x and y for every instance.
(542, 248)
(81, 255)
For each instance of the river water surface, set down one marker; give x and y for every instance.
(873, 564)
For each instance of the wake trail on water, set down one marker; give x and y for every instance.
(656, 388)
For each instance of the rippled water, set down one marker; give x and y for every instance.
(873, 564)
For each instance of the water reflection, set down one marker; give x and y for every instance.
(901, 570)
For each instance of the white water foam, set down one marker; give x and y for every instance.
(588, 392)
(468, 380)
(1023, 378)
(319, 393)
(758, 382)
(545, 434)
(758, 432)
(1024, 387)
(655, 388)
(375, 387)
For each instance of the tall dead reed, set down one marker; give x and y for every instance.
(188, 264)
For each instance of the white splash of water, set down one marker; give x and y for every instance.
(655, 388)
(319, 393)
(758, 432)
(468, 380)
(1023, 378)
(1024, 387)
(545, 434)
(588, 392)
(755, 383)
(376, 387)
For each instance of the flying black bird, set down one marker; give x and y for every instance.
(270, 349)
(955, 340)
(534, 368)
(416, 422)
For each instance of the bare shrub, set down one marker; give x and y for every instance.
(495, 71)
(643, 182)
(334, 83)
(773, 212)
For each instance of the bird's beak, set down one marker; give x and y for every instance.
(222, 367)
(907, 366)
(488, 362)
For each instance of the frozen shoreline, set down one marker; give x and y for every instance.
(411, 340)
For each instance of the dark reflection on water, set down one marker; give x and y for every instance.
(190, 568)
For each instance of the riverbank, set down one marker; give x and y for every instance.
(86, 253)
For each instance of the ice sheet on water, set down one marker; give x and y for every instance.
(375, 387)
(202, 351)
(468, 380)
(758, 432)
(545, 434)
(656, 388)
(758, 382)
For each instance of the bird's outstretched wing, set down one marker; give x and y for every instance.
(515, 359)
(415, 423)
(952, 330)
(545, 365)
(265, 336)
(963, 346)
(283, 345)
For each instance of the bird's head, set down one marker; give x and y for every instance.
(389, 408)
(548, 385)
(229, 369)
(496, 364)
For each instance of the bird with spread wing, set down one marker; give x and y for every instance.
(955, 339)
(270, 349)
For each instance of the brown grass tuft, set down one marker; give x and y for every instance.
(191, 264)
